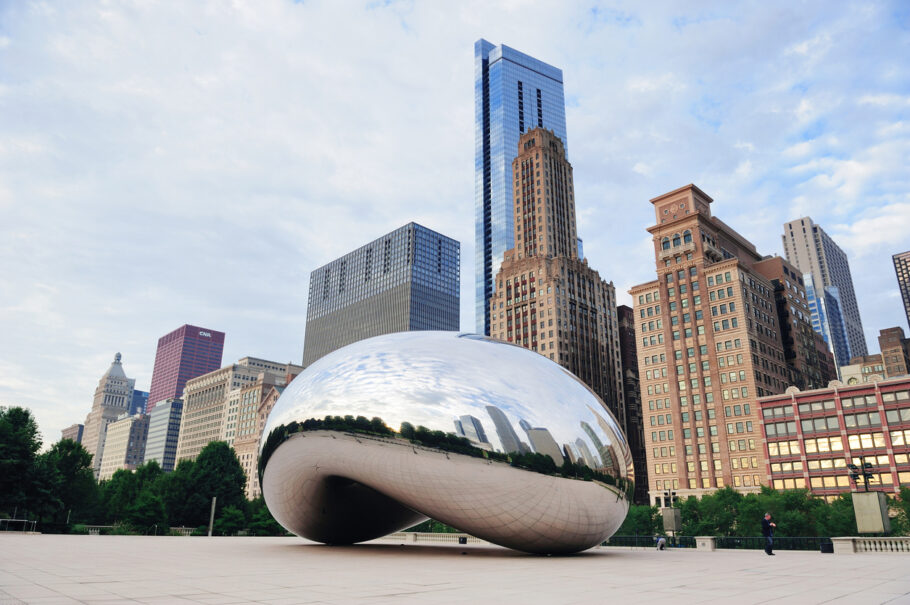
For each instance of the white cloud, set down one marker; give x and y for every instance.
(192, 162)
(879, 230)
(642, 169)
(884, 100)
(814, 48)
(744, 169)
(663, 83)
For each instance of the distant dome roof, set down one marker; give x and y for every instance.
(116, 369)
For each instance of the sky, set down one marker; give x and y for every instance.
(192, 162)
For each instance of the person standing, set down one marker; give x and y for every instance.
(767, 530)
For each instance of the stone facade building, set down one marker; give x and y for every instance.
(124, 446)
(811, 437)
(112, 398)
(73, 432)
(811, 366)
(895, 352)
(212, 401)
(257, 401)
(547, 299)
(710, 343)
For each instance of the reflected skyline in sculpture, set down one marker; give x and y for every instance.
(470, 399)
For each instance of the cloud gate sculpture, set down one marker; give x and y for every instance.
(490, 438)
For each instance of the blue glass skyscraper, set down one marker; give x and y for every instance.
(828, 320)
(513, 93)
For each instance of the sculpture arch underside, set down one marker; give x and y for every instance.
(340, 488)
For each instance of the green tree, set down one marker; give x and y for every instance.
(230, 521)
(433, 526)
(175, 489)
(74, 484)
(147, 513)
(714, 514)
(837, 518)
(42, 496)
(261, 521)
(642, 521)
(216, 472)
(900, 523)
(19, 445)
(118, 494)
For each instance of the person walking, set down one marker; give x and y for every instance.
(767, 530)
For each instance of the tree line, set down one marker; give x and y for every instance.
(57, 488)
(797, 512)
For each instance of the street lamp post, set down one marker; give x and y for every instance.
(864, 470)
(671, 516)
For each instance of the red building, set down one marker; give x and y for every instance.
(187, 352)
(813, 437)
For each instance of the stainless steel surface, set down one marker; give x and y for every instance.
(353, 483)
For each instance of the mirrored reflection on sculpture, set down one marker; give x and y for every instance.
(488, 437)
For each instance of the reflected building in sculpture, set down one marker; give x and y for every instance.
(471, 428)
(336, 467)
(507, 435)
(405, 280)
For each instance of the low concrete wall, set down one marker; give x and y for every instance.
(852, 545)
(708, 543)
(416, 536)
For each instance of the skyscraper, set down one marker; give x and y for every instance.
(902, 269)
(163, 432)
(513, 93)
(635, 428)
(547, 299)
(112, 399)
(124, 445)
(710, 342)
(807, 246)
(827, 319)
(810, 368)
(73, 432)
(212, 402)
(139, 403)
(187, 352)
(405, 280)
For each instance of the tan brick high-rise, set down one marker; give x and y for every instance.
(547, 299)
(709, 345)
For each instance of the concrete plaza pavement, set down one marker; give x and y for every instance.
(139, 569)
